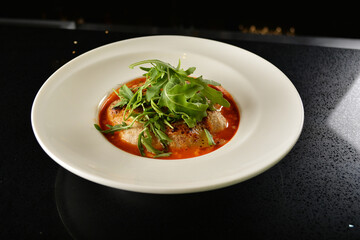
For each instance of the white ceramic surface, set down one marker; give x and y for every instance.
(65, 109)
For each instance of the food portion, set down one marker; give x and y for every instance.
(168, 114)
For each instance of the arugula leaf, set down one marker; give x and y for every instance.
(210, 93)
(125, 94)
(209, 137)
(177, 100)
(112, 129)
(157, 62)
(162, 135)
(147, 142)
(155, 89)
(164, 154)
(140, 145)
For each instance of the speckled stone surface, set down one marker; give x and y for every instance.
(313, 193)
(321, 175)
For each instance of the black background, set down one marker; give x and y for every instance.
(308, 18)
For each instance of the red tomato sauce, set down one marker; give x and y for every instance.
(231, 114)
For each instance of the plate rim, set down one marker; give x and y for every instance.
(233, 179)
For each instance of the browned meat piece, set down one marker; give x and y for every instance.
(116, 116)
(181, 135)
(215, 121)
(184, 137)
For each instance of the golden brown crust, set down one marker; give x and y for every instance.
(181, 135)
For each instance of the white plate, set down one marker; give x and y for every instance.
(65, 108)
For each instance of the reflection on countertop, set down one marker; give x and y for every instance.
(92, 211)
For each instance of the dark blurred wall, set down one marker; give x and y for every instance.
(295, 17)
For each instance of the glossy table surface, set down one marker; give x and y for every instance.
(313, 193)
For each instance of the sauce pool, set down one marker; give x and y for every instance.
(231, 115)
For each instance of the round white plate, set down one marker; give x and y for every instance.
(65, 108)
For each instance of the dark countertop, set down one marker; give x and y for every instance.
(313, 193)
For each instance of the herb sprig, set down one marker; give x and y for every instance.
(168, 95)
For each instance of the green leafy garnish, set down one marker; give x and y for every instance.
(112, 129)
(209, 137)
(168, 95)
(125, 94)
